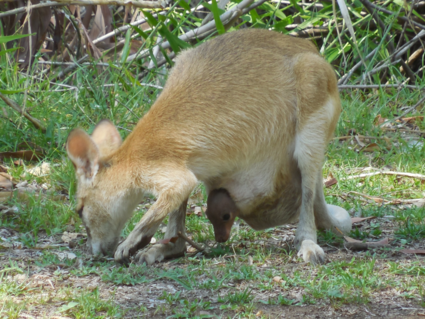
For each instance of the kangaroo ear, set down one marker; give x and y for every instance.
(106, 137)
(83, 153)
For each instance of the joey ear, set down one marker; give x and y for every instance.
(106, 137)
(83, 152)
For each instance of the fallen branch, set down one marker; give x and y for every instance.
(347, 76)
(134, 3)
(355, 245)
(411, 175)
(346, 137)
(18, 109)
(398, 17)
(225, 17)
(377, 86)
(405, 112)
(193, 244)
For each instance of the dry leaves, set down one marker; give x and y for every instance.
(5, 182)
(68, 237)
(42, 170)
(330, 182)
(27, 155)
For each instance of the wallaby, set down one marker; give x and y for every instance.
(249, 111)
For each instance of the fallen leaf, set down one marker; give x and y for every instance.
(65, 255)
(361, 219)
(277, 279)
(4, 196)
(18, 162)
(3, 169)
(68, 306)
(4, 210)
(330, 182)
(168, 240)
(412, 119)
(357, 138)
(379, 120)
(413, 251)
(26, 155)
(198, 211)
(42, 170)
(67, 237)
(5, 181)
(372, 147)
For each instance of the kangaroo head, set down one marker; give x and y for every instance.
(103, 202)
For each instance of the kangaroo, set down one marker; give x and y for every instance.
(250, 112)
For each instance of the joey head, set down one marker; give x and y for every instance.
(221, 211)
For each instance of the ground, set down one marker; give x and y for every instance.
(256, 275)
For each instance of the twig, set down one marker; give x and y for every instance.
(378, 20)
(398, 17)
(411, 175)
(192, 243)
(347, 76)
(360, 136)
(408, 70)
(376, 86)
(408, 45)
(405, 112)
(253, 6)
(72, 63)
(381, 67)
(18, 109)
(135, 3)
(395, 129)
(72, 67)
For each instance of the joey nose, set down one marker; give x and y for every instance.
(221, 238)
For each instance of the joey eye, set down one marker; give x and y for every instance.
(80, 212)
(226, 217)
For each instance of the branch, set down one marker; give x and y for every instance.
(410, 109)
(375, 16)
(399, 17)
(376, 86)
(196, 32)
(134, 3)
(347, 76)
(191, 242)
(18, 109)
(411, 175)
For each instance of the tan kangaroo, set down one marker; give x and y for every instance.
(251, 112)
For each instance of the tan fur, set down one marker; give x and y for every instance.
(251, 112)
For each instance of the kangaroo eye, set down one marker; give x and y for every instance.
(226, 217)
(80, 212)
